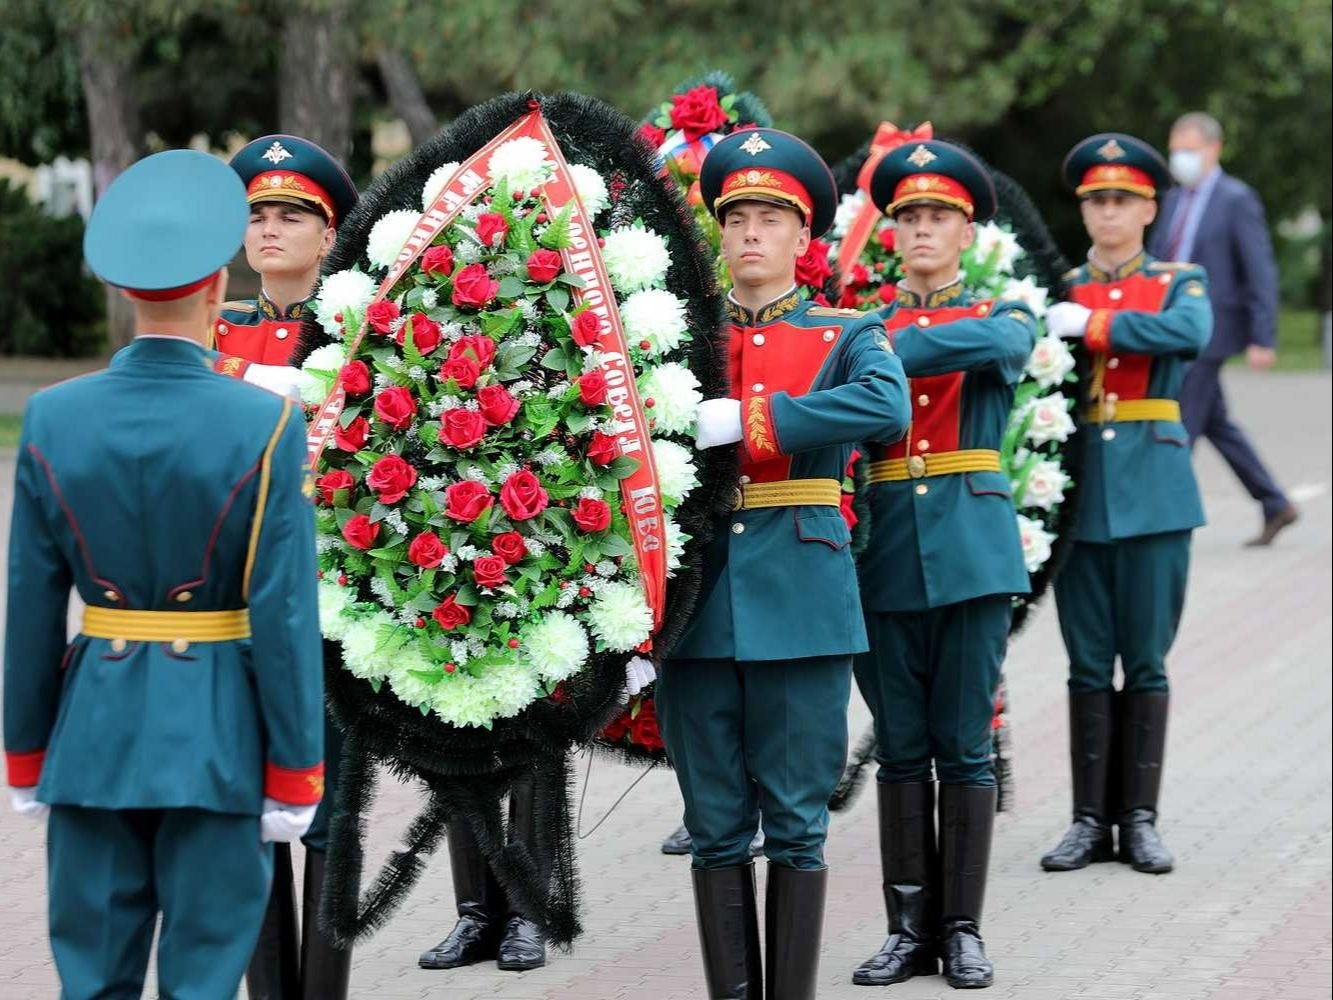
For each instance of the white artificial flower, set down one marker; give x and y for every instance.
(591, 188)
(848, 209)
(1045, 485)
(556, 646)
(1050, 361)
(359, 642)
(341, 293)
(435, 183)
(389, 234)
(675, 394)
(1036, 542)
(676, 474)
(656, 317)
(1028, 292)
(460, 701)
(411, 689)
(329, 358)
(993, 239)
(675, 545)
(635, 258)
(512, 687)
(522, 162)
(315, 387)
(620, 616)
(1050, 419)
(333, 601)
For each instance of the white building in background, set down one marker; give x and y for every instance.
(64, 187)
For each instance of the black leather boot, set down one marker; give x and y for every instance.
(908, 860)
(728, 918)
(521, 944)
(476, 936)
(793, 931)
(1089, 838)
(275, 970)
(967, 819)
(326, 969)
(1143, 749)
(678, 842)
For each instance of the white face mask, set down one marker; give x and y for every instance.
(1187, 166)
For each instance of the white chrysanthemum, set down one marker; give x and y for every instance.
(656, 317)
(848, 208)
(1036, 542)
(461, 701)
(412, 689)
(635, 258)
(522, 162)
(359, 642)
(389, 234)
(1050, 361)
(1028, 292)
(676, 473)
(329, 358)
(675, 545)
(1044, 486)
(675, 394)
(620, 617)
(333, 600)
(591, 188)
(435, 183)
(556, 646)
(341, 293)
(991, 239)
(1050, 419)
(512, 687)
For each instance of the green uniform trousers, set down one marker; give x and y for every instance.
(930, 680)
(1122, 599)
(750, 739)
(111, 871)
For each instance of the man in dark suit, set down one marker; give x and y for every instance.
(1217, 220)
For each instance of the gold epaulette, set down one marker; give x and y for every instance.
(1071, 274)
(834, 311)
(1171, 265)
(239, 306)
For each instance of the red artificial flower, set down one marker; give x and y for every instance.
(396, 406)
(476, 347)
(592, 515)
(391, 477)
(464, 372)
(522, 496)
(438, 261)
(462, 429)
(887, 292)
(615, 730)
(652, 134)
(860, 276)
(544, 265)
(510, 547)
(467, 501)
(644, 730)
(474, 287)
(586, 328)
(426, 550)
(425, 333)
(888, 238)
(697, 112)
(329, 483)
(355, 378)
(381, 315)
(848, 514)
(602, 449)
(352, 437)
(449, 614)
(360, 532)
(848, 299)
(813, 268)
(820, 299)
(498, 407)
(592, 388)
(492, 229)
(489, 571)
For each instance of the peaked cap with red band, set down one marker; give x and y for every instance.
(936, 172)
(289, 169)
(1113, 161)
(766, 164)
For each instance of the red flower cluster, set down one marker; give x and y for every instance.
(697, 112)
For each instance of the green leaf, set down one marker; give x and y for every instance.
(572, 280)
(557, 299)
(510, 358)
(468, 595)
(511, 287)
(555, 359)
(622, 466)
(431, 676)
(557, 235)
(614, 545)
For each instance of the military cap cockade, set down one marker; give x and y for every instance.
(933, 171)
(287, 168)
(1113, 161)
(766, 164)
(167, 225)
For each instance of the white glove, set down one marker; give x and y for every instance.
(282, 379)
(718, 422)
(639, 673)
(284, 823)
(24, 801)
(1067, 320)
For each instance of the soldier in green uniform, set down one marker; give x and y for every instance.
(753, 699)
(1122, 588)
(182, 728)
(939, 571)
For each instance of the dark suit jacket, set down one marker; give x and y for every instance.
(1233, 246)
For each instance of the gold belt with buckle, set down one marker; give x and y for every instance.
(944, 463)
(1122, 410)
(177, 627)
(791, 493)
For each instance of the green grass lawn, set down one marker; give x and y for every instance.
(9, 430)
(1298, 341)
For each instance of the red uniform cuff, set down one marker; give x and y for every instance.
(302, 786)
(1097, 336)
(24, 770)
(231, 365)
(757, 431)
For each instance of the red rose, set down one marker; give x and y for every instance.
(355, 378)
(438, 260)
(498, 407)
(821, 300)
(848, 514)
(391, 477)
(360, 533)
(491, 228)
(814, 268)
(860, 276)
(467, 501)
(602, 449)
(425, 332)
(450, 614)
(329, 483)
(644, 729)
(473, 287)
(353, 436)
(616, 729)
(426, 550)
(510, 547)
(887, 293)
(489, 571)
(462, 429)
(396, 407)
(477, 348)
(652, 134)
(697, 112)
(848, 298)
(522, 496)
(586, 328)
(592, 515)
(888, 238)
(381, 315)
(464, 372)
(544, 265)
(592, 388)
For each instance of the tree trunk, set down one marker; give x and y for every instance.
(116, 137)
(315, 79)
(405, 94)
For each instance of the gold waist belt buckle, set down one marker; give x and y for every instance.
(180, 628)
(1122, 410)
(896, 470)
(792, 493)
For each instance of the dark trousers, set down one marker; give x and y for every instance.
(756, 738)
(1204, 411)
(930, 680)
(1122, 599)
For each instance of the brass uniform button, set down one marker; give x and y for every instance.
(1116, 295)
(184, 597)
(922, 489)
(179, 645)
(923, 400)
(916, 467)
(1108, 434)
(923, 445)
(923, 321)
(118, 645)
(1113, 363)
(758, 340)
(111, 595)
(738, 528)
(282, 333)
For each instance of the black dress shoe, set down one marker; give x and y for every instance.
(1141, 845)
(966, 966)
(473, 939)
(1087, 841)
(678, 843)
(900, 958)
(1284, 518)
(521, 946)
